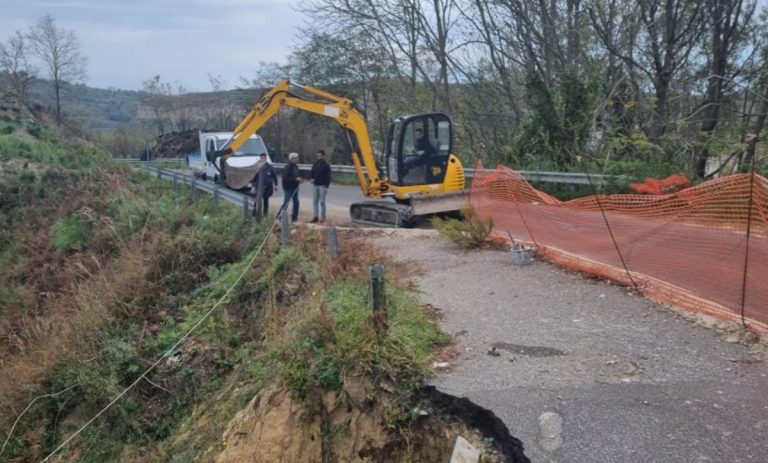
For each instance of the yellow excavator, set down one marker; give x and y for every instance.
(420, 172)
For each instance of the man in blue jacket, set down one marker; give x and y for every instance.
(321, 179)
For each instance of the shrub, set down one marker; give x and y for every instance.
(72, 233)
(472, 232)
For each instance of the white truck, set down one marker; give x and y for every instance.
(244, 159)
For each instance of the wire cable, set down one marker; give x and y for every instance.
(172, 348)
(10, 433)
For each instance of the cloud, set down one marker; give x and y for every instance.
(128, 42)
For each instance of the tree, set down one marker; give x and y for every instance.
(59, 49)
(728, 20)
(668, 32)
(157, 95)
(13, 62)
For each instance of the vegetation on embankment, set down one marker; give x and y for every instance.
(105, 268)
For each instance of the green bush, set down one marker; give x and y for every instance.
(472, 232)
(7, 128)
(72, 233)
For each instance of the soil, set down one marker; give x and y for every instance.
(176, 144)
(352, 426)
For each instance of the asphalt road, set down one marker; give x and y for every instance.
(337, 202)
(587, 372)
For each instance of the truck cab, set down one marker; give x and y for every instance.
(246, 156)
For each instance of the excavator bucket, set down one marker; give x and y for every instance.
(241, 171)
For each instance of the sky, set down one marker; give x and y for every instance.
(129, 41)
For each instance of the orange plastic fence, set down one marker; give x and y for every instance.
(688, 249)
(654, 186)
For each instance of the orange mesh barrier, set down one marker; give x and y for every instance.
(687, 249)
(653, 186)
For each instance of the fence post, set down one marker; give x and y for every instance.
(285, 227)
(333, 243)
(215, 197)
(376, 273)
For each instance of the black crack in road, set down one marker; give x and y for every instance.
(582, 370)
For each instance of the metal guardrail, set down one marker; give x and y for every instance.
(218, 192)
(153, 161)
(571, 178)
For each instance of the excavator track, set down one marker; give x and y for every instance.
(381, 214)
(389, 214)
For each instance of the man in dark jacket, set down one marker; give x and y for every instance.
(321, 179)
(291, 181)
(270, 181)
(422, 145)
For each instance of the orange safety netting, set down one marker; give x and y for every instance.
(688, 249)
(654, 186)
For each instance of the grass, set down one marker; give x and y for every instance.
(71, 233)
(334, 332)
(133, 266)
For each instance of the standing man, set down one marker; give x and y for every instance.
(291, 181)
(321, 178)
(270, 180)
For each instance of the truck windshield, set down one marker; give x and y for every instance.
(252, 147)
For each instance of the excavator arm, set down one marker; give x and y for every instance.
(313, 100)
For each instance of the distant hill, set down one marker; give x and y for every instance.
(99, 109)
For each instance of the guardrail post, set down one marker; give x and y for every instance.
(376, 273)
(159, 174)
(333, 243)
(215, 197)
(193, 189)
(175, 184)
(245, 208)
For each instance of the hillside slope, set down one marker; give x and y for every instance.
(105, 269)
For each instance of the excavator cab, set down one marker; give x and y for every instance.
(418, 149)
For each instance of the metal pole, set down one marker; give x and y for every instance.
(215, 197)
(285, 227)
(376, 273)
(333, 243)
(245, 208)
(193, 188)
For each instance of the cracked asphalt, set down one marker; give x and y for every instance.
(582, 370)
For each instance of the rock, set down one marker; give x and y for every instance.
(749, 338)
(441, 365)
(356, 390)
